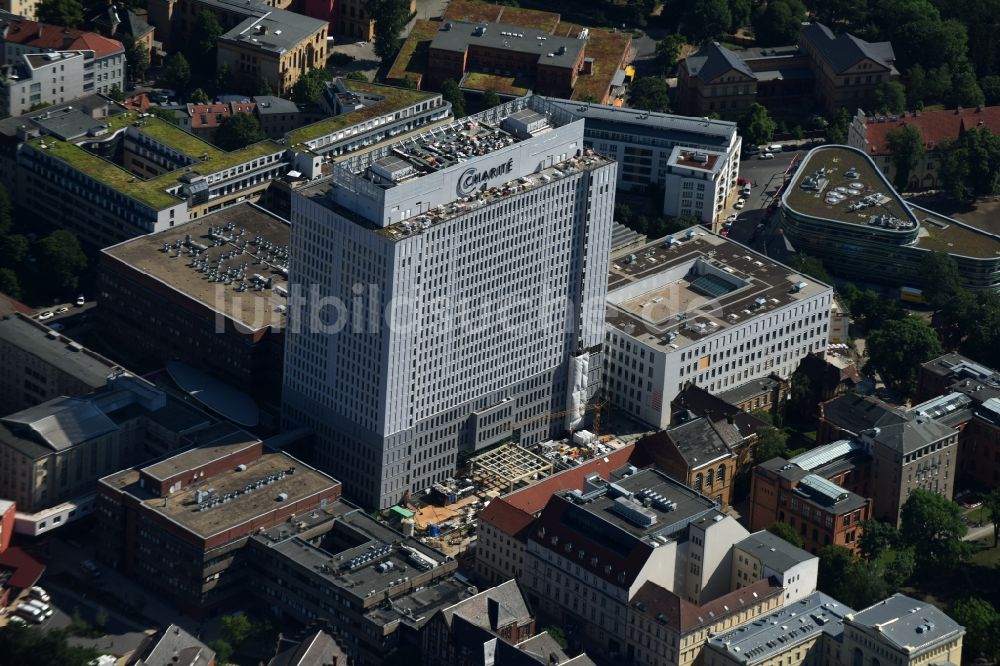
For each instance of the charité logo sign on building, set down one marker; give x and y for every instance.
(472, 178)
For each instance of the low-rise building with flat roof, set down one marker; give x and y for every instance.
(696, 308)
(179, 524)
(901, 630)
(840, 207)
(808, 631)
(765, 556)
(376, 588)
(591, 551)
(40, 364)
(211, 293)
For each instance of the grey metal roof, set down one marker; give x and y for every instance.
(176, 646)
(683, 130)
(773, 552)
(749, 389)
(62, 422)
(500, 36)
(622, 236)
(55, 350)
(713, 60)
(845, 50)
(942, 405)
(913, 434)
(907, 624)
(822, 455)
(511, 606)
(698, 442)
(269, 104)
(854, 413)
(759, 641)
(316, 649)
(283, 29)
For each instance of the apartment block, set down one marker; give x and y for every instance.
(592, 550)
(644, 142)
(471, 193)
(698, 185)
(764, 556)
(40, 79)
(104, 59)
(696, 308)
(377, 589)
(505, 523)
(180, 524)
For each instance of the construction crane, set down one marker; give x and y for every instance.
(596, 407)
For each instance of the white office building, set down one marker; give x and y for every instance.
(41, 78)
(697, 185)
(696, 308)
(464, 272)
(642, 142)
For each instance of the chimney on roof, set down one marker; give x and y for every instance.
(493, 613)
(958, 110)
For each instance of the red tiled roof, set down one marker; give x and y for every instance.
(207, 115)
(44, 36)
(26, 569)
(9, 306)
(686, 617)
(505, 517)
(934, 126)
(533, 498)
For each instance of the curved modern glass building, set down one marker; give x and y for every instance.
(841, 208)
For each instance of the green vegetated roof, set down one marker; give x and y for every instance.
(505, 85)
(394, 98)
(412, 58)
(152, 191)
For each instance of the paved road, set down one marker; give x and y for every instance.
(976, 533)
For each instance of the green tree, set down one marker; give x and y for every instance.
(137, 59)
(982, 628)
(965, 90)
(68, 13)
(62, 260)
(649, 93)
(778, 22)
(490, 99)
(237, 627)
(222, 82)
(864, 585)
(786, 532)
(896, 350)
(199, 96)
(238, 131)
(836, 564)
(890, 97)
(13, 249)
(668, 50)
(739, 11)
(264, 87)
(810, 266)
(990, 85)
(310, 86)
(116, 93)
(26, 646)
(452, 93)
(587, 97)
(942, 283)
(756, 125)
(205, 35)
(708, 19)
(898, 565)
(391, 17)
(876, 538)
(9, 284)
(223, 650)
(906, 145)
(916, 87)
(177, 73)
(771, 443)
(843, 12)
(556, 634)
(992, 504)
(165, 115)
(356, 76)
(932, 525)
(6, 221)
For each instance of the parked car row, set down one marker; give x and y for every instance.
(34, 609)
